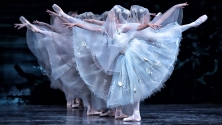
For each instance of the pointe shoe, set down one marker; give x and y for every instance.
(200, 20)
(58, 10)
(23, 20)
(158, 14)
(134, 118)
(29, 25)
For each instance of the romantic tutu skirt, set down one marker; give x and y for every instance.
(54, 53)
(139, 69)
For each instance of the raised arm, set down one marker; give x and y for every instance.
(169, 12)
(98, 22)
(144, 26)
(140, 27)
(69, 25)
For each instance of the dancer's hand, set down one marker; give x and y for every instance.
(154, 26)
(38, 23)
(182, 5)
(19, 25)
(51, 13)
(69, 25)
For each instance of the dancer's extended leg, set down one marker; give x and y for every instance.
(196, 23)
(62, 14)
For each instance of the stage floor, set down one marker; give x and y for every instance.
(151, 114)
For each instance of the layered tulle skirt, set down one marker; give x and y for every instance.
(139, 69)
(54, 53)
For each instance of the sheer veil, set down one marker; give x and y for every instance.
(139, 14)
(107, 59)
(114, 20)
(96, 53)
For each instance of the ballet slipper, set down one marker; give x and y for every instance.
(134, 118)
(58, 10)
(29, 25)
(200, 20)
(23, 20)
(131, 119)
(158, 14)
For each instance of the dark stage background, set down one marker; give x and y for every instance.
(196, 79)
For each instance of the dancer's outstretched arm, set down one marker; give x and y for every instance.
(69, 25)
(169, 12)
(141, 27)
(98, 22)
(127, 28)
(144, 26)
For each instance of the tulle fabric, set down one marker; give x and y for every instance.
(118, 65)
(57, 26)
(124, 67)
(96, 55)
(107, 45)
(94, 77)
(38, 48)
(55, 55)
(86, 15)
(102, 17)
(146, 65)
(59, 62)
(139, 14)
(60, 51)
(174, 14)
